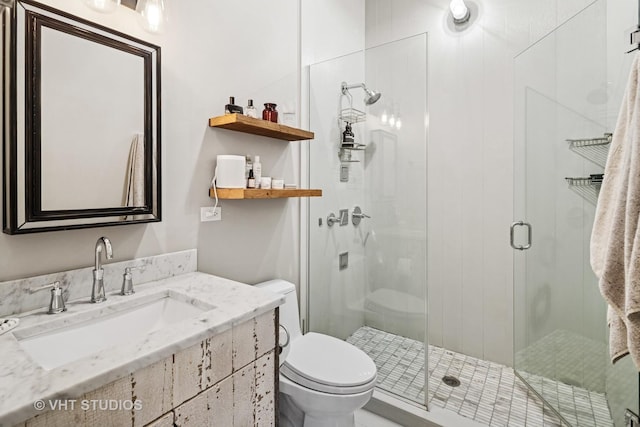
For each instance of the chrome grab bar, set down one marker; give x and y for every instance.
(512, 235)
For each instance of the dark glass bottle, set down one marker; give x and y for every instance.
(270, 113)
(251, 182)
(231, 107)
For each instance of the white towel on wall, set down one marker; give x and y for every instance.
(135, 173)
(615, 240)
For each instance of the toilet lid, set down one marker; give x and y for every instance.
(330, 365)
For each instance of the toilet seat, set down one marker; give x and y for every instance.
(326, 364)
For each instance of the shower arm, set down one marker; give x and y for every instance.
(346, 87)
(345, 91)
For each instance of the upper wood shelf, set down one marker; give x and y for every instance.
(242, 123)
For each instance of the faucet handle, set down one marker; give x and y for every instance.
(127, 281)
(56, 304)
(357, 215)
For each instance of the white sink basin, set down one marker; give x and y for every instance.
(114, 325)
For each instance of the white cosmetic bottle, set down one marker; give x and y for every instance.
(257, 170)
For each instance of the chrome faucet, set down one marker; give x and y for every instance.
(97, 291)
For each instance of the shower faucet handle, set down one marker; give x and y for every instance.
(357, 215)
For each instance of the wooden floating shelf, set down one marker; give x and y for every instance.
(242, 123)
(251, 193)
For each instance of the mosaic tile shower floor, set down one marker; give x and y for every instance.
(489, 393)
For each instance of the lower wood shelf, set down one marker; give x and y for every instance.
(251, 193)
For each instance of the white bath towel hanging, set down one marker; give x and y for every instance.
(615, 240)
(135, 173)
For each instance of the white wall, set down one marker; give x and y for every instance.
(331, 28)
(211, 50)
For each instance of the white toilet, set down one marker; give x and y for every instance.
(323, 380)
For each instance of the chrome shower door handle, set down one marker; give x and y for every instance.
(512, 235)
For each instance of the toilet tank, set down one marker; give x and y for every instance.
(289, 314)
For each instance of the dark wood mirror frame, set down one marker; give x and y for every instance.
(22, 189)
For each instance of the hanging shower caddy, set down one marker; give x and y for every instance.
(348, 116)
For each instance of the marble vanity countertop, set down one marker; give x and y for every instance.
(22, 381)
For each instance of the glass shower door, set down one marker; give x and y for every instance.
(563, 116)
(367, 279)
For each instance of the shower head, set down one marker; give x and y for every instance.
(371, 96)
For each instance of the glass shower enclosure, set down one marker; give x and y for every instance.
(367, 272)
(566, 106)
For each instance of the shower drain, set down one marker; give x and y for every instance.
(451, 381)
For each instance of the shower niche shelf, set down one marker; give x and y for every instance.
(251, 193)
(586, 187)
(245, 124)
(594, 149)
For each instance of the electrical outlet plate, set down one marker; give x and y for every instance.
(209, 214)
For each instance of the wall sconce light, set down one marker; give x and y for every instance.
(459, 11)
(103, 6)
(153, 14)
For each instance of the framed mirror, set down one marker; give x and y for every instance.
(81, 127)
